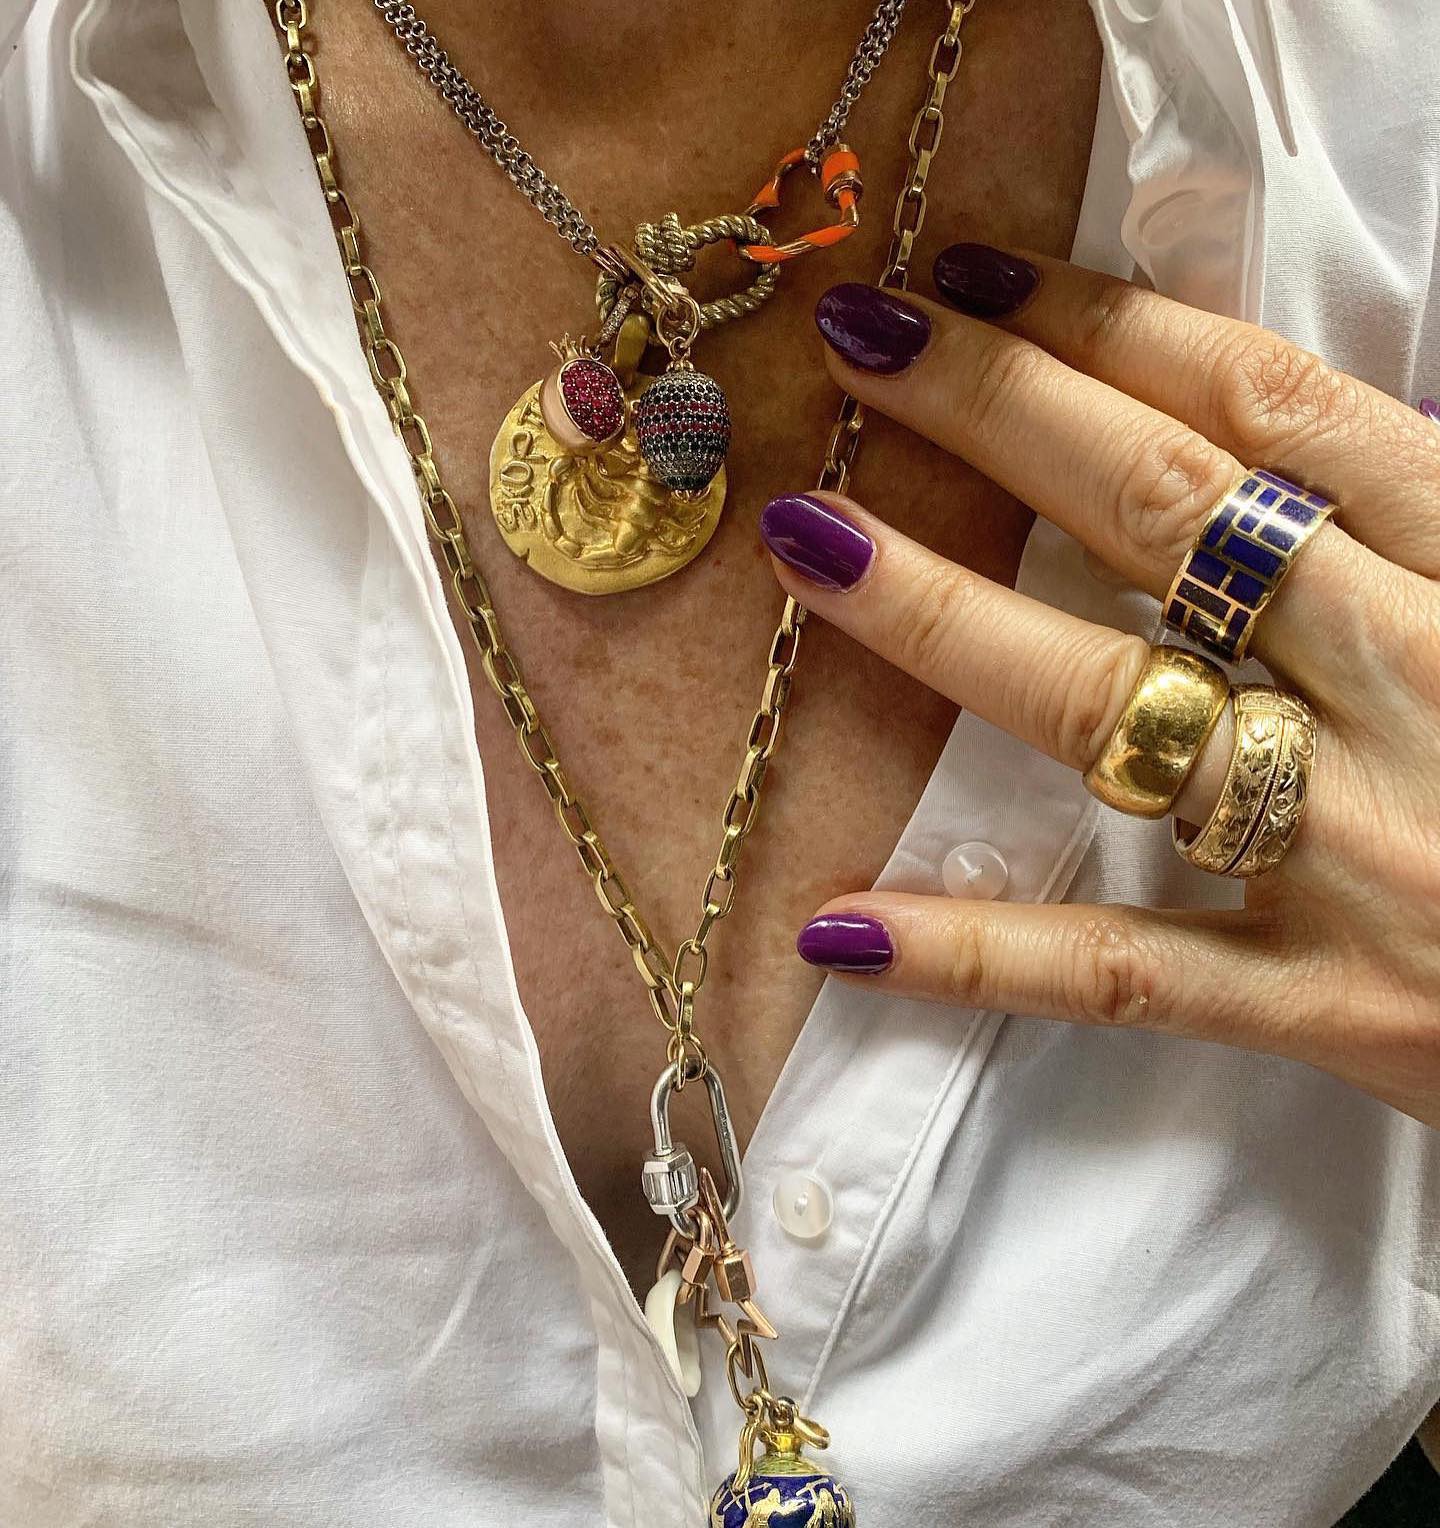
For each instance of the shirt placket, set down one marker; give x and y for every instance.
(402, 795)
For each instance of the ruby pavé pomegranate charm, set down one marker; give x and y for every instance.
(604, 478)
(581, 401)
(682, 425)
(573, 492)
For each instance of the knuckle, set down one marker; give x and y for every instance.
(928, 632)
(966, 969)
(1006, 369)
(1274, 393)
(1103, 322)
(1110, 980)
(1171, 484)
(1084, 714)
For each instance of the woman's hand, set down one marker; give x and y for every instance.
(1126, 418)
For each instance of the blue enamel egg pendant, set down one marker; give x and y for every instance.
(783, 1489)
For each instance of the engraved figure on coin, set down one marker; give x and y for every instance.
(596, 522)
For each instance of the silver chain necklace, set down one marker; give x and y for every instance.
(532, 182)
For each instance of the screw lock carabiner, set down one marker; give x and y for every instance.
(670, 1178)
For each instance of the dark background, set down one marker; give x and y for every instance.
(1406, 1496)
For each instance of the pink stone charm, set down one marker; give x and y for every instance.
(583, 404)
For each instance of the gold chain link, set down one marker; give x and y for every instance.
(672, 983)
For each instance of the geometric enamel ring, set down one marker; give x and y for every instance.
(1237, 562)
(1266, 786)
(1163, 726)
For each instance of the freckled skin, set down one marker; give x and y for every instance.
(649, 695)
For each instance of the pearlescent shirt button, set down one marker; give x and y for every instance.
(803, 1205)
(975, 870)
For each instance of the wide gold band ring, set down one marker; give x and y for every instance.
(1171, 712)
(1266, 787)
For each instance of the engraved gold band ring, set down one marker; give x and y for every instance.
(1164, 725)
(1266, 786)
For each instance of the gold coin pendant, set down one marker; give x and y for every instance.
(598, 523)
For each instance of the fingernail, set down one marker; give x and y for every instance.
(872, 328)
(1430, 408)
(984, 282)
(815, 540)
(846, 942)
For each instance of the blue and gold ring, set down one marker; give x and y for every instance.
(1238, 560)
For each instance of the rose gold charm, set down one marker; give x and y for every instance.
(581, 401)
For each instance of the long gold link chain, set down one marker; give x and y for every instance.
(672, 983)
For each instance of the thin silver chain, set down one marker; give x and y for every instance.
(873, 46)
(532, 182)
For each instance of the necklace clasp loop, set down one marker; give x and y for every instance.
(839, 175)
(670, 1178)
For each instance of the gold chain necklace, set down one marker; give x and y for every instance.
(704, 1277)
(604, 478)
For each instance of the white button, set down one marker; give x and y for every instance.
(803, 1205)
(1165, 224)
(977, 871)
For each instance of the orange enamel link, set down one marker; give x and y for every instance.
(840, 183)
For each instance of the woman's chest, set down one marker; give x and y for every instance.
(649, 696)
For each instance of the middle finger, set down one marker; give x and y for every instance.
(1048, 678)
(1131, 483)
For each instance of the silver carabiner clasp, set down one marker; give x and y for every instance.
(670, 1179)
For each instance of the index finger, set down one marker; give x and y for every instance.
(1134, 484)
(1268, 402)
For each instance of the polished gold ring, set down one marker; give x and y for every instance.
(1266, 787)
(1172, 710)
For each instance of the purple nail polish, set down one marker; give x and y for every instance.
(872, 328)
(984, 282)
(847, 942)
(1430, 408)
(809, 536)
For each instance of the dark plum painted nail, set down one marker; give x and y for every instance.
(1430, 408)
(871, 328)
(809, 536)
(984, 282)
(847, 942)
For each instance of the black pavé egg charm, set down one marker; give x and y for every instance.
(682, 425)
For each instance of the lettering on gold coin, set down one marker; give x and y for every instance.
(521, 474)
(597, 524)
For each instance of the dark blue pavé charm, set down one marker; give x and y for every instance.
(785, 1490)
(682, 426)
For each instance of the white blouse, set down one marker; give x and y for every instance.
(287, 1237)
